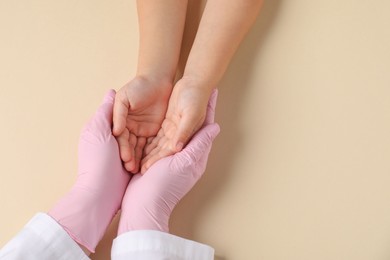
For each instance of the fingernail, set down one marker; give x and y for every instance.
(179, 146)
(114, 129)
(130, 166)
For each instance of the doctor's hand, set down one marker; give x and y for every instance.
(186, 114)
(150, 198)
(139, 110)
(87, 210)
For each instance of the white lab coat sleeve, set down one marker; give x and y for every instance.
(156, 245)
(44, 239)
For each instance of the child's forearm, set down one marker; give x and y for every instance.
(161, 25)
(221, 30)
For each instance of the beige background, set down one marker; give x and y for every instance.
(301, 169)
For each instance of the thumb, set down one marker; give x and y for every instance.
(100, 123)
(200, 145)
(109, 97)
(104, 112)
(187, 127)
(121, 110)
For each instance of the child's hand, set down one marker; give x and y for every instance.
(139, 110)
(185, 115)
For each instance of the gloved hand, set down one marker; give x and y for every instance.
(87, 210)
(151, 197)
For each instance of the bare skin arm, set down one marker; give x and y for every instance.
(222, 28)
(141, 105)
(161, 31)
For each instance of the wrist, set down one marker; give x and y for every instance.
(144, 219)
(195, 83)
(160, 81)
(197, 80)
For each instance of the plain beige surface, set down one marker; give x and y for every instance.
(301, 169)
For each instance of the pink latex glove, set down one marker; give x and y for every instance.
(151, 197)
(87, 210)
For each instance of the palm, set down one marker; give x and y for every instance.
(146, 112)
(186, 113)
(161, 146)
(140, 107)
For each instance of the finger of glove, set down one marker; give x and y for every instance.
(100, 124)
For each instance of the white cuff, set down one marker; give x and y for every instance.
(156, 245)
(42, 238)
